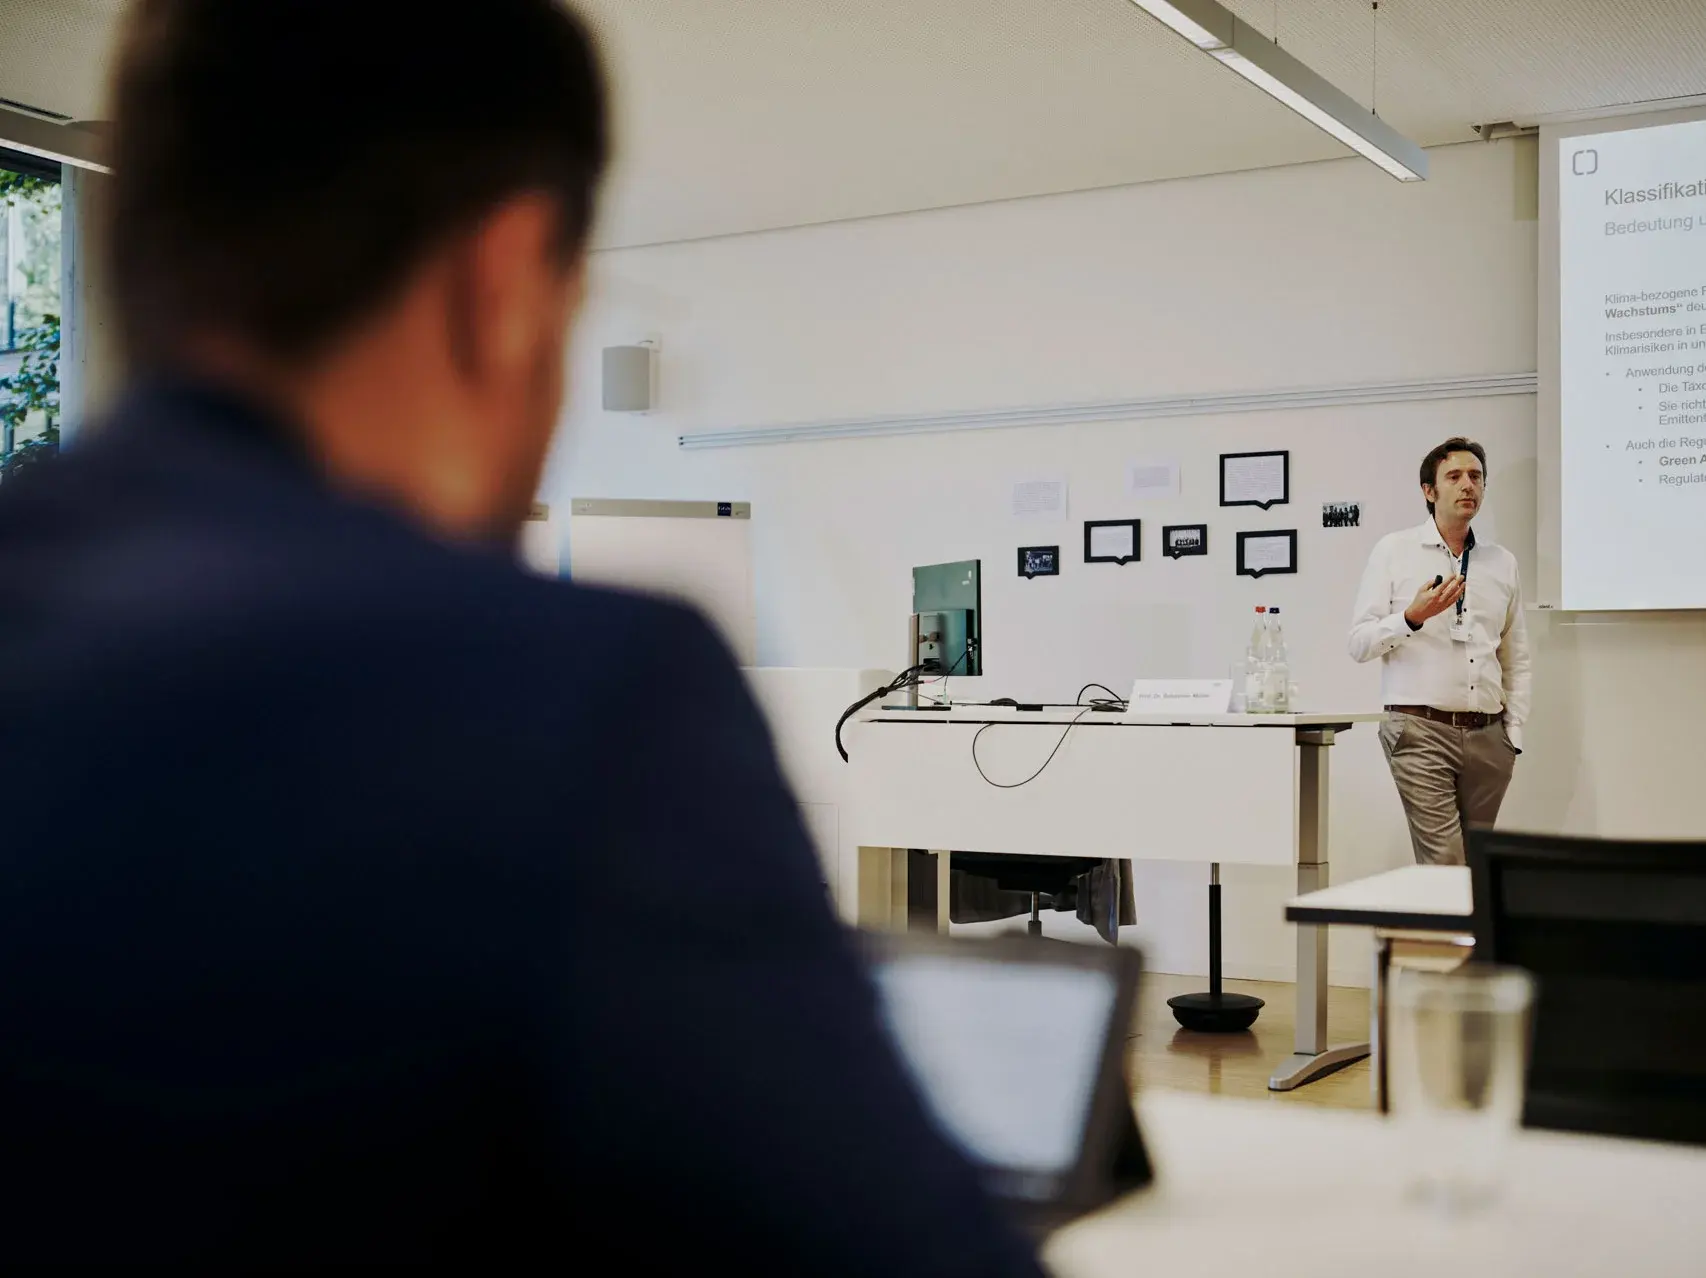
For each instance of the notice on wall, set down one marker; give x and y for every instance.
(1151, 480)
(1041, 501)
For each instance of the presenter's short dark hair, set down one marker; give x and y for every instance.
(280, 167)
(1439, 452)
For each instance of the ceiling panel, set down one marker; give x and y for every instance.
(53, 53)
(742, 115)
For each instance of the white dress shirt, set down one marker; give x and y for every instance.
(1427, 667)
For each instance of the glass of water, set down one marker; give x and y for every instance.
(1458, 1052)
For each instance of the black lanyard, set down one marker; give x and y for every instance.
(1468, 545)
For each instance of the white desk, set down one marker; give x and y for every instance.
(1240, 789)
(1417, 898)
(1247, 1188)
(1431, 902)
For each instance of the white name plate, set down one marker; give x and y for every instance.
(1180, 696)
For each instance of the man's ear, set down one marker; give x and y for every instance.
(1430, 493)
(496, 283)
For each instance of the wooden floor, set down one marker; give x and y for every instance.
(1166, 1057)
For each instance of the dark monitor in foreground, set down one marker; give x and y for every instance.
(1019, 1049)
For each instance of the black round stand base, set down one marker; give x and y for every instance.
(1215, 1013)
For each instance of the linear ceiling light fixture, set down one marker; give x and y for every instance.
(1239, 47)
(76, 144)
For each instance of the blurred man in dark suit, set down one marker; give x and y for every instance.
(315, 800)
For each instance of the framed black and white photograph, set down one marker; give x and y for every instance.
(1039, 561)
(1113, 541)
(1255, 479)
(1267, 554)
(1341, 514)
(1180, 540)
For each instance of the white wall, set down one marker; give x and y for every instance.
(1314, 275)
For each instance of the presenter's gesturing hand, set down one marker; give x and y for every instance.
(1433, 599)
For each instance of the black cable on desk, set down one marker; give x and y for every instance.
(1116, 699)
(908, 679)
(1079, 699)
(1113, 701)
(1003, 785)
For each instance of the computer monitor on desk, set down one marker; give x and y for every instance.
(1019, 1050)
(946, 628)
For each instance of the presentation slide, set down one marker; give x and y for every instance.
(1632, 390)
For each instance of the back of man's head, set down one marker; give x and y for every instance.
(281, 166)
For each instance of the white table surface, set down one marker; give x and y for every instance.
(1407, 898)
(1087, 717)
(1105, 788)
(1264, 1188)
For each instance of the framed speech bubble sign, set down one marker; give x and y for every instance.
(1267, 554)
(1039, 561)
(1181, 540)
(1113, 541)
(1255, 479)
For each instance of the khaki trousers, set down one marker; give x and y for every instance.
(1449, 779)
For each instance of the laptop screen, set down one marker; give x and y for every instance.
(1007, 1054)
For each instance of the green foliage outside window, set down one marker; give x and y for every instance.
(31, 393)
(29, 396)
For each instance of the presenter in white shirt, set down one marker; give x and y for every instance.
(1443, 612)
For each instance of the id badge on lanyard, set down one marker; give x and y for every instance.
(1460, 623)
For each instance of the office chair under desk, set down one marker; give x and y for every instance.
(1615, 936)
(1054, 877)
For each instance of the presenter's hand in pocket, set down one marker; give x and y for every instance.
(1433, 599)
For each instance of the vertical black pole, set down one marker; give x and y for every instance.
(1215, 1012)
(1214, 934)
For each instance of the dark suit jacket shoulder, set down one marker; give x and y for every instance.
(369, 899)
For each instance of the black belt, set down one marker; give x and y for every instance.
(1455, 718)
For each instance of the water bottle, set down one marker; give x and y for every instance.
(1279, 667)
(1256, 665)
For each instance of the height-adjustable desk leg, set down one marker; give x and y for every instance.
(1311, 1056)
(944, 889)
(881, 906)
(884, 880)
(1377, 1018)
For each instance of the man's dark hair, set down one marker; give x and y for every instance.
(280, 167)
(1438, 453)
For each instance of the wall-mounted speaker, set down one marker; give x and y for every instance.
(629, 378)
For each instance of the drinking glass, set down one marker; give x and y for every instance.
(1458, 1051)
